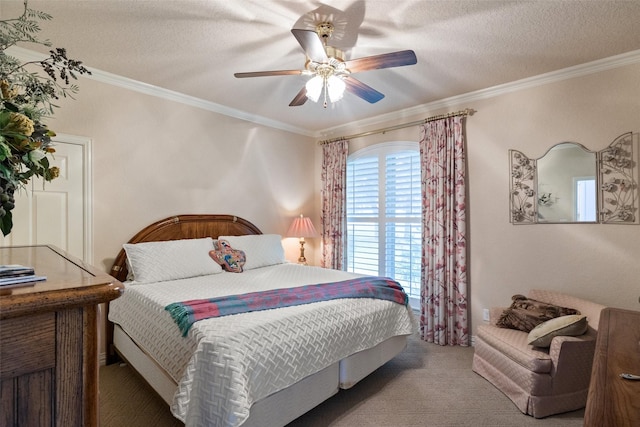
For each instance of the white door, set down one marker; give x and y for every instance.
(57, 212)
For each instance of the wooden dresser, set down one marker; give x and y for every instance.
(48, 340)
(614, 401)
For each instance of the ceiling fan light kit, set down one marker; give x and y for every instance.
(331, 73)
(333, 87)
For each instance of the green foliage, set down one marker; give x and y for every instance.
(26, 98)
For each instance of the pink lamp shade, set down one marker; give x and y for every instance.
(302, 227)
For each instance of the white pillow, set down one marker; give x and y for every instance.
(261, 250)
(171, 260)
(570, 325)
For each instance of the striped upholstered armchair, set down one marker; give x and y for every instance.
(541, 381)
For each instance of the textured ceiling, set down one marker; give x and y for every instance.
(194, 47)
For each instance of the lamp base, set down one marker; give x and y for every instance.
(302, 260)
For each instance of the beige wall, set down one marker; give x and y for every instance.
(598, 262)
(154, 158)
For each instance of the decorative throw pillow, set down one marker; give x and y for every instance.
(229, 259)
(261, 249)
(525, 313)
(151, 262)
(571, 326)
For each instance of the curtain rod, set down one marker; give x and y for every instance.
(465, 112)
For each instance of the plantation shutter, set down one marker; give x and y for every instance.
(363, 200)
(383, 216)
(403, 213)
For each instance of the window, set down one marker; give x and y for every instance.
(384, 230)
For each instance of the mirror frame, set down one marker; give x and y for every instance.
(616, 184)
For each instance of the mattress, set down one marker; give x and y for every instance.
(226, 364)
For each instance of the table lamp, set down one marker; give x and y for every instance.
(302, 227)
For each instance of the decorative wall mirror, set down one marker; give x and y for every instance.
(570, 184)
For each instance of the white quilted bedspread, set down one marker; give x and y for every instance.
(225, 364)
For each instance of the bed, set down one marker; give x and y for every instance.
(259, 368)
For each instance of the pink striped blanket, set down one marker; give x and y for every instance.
(186, 313)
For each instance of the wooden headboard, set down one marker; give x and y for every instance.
(184, 227)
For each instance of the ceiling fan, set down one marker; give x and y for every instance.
(331, 74)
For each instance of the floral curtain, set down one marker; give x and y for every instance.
(443, 299)
(334, 196)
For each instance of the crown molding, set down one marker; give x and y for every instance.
(597, 66)
(593, 67)
(148, 89)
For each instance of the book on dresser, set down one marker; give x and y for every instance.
(15, 274)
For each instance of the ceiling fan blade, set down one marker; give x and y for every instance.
(269, 73)
(386, 60)
(300, 98)
(312, 45)
(362, 90)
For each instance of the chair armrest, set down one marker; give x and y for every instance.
(572, 358)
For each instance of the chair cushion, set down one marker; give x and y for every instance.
(527, 313)
(572, 326)
(513, 344)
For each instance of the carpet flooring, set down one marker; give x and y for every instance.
(425, 385)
